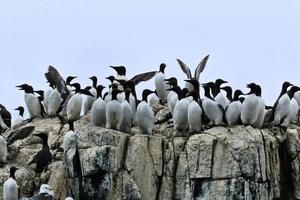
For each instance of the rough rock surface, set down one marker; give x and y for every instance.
(220, 163)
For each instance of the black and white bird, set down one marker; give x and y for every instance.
(213, 110)
(293, 108)
(128, 114)
(31, 100)
(75, 103)
(107, 96)
(121, 75)
(198, 71)
(41, 100)
(44, 157)
(144, 114)
(160, 84)
(172, 97)
(98, 110)
(251, 105)
(54, 101)
(261, 109)
(5, 118)
(114, 112)
(10, 186)
(3, 150)
(180, 112)
(194, 110)
(153, 99)
(46, 193)
(88, 103)
(19, 121)
(233, 110)
(281, 105)
(219, 97)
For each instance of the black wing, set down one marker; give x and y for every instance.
(19, 134)
(143, 77)
(201, 67)
(6, 116)
(185, 68)
(41, 196)
(56, 79)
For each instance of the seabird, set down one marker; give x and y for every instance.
(31, 100)
(160, 83)
(10, 186)
(194, 110)
(5, 118)
(107, 96)
(153, 99)
(45, 193)
(75, 103)
(89, 99)
(261, 107)
(180, 112)
(219, 97)
(53, 103)
(44, 157)
(41, 99)
(98, 111)
(114, 112)
(19, 121)
(172, 96)
(145, 115)
(198, 71)
(121, 75)
(251, 105)
(233, 110)
(128, 114)
(213, 110)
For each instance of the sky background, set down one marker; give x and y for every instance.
(248, 41)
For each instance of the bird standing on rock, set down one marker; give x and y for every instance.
(160, 83)
(10, 186)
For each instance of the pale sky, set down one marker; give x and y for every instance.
(248, 41)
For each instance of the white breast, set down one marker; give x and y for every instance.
(33, 105)
(127, 118)
(172, 100)
(195, 116)
(18, 122)
(46, 97)
(89, 100)
(233, 112)
(145, 117)
(261, 114)
(222, 100)
(180, 115)
(281, 109)
(292, 113)
(161, 86)
(212, 111)
(98, 113)
(297, 97)
(10, 189)
(74, 107)
(250, 109)
(153, 99)
(114, 115)
(54, 101)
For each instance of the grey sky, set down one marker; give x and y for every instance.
(247, 41)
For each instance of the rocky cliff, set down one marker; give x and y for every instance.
(219, 163)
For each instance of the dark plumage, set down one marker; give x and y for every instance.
(44, 157)
(6, 117)
(19, 134)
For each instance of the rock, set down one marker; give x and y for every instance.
(220, 163)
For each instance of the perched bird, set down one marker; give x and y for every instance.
(160, 83)
(198, 71)
(153, 99)
(145, 115)
(54, 101)
(90, 99)
(5, 118)
(98, 110)
(45, 193)
(31, 100)
(107, 96)
(251, 105)
(46, 96)
(213, 110)
(180, 112)
(41, 100)
(10, 186)
(19, 121)
(3, 150)
(233, 110)
(114, 112)
(261, 109)
(121, 75)
(75, 103)
(172, 97)
(219, 97)
(44, 157)
(293, 108)
(194, 110)
(128, 115)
